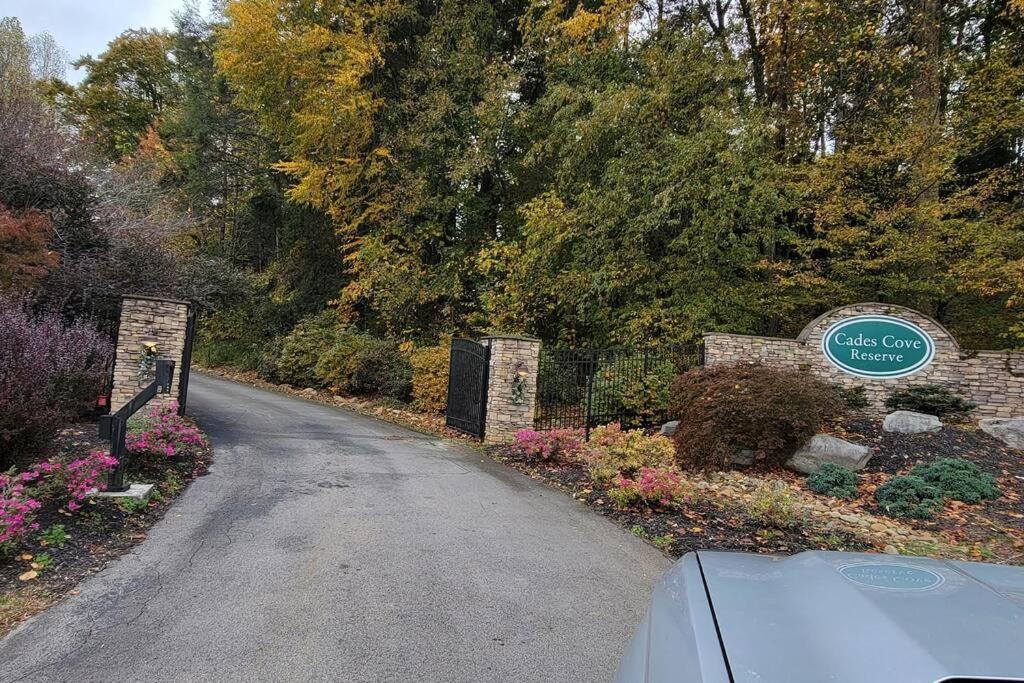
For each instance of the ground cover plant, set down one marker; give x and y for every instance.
(909, 496)
(833, 480)
(958, 479)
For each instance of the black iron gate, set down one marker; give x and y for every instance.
(186, 359)
(467, 387)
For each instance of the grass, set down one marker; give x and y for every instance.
(19, 605)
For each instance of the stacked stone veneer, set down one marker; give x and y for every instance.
(147, 319)
(510, 355)
(992, 379)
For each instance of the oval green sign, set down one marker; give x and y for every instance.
(878, 346)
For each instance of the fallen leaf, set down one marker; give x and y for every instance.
(28, 576)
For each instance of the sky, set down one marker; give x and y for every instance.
(86, 26)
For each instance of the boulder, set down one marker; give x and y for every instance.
(823, 448)
(1009, 430)
(744, 458)
(669, 428)
(909, 422)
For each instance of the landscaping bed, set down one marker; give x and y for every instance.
(707, 520)
(992, 530)
(68, 545)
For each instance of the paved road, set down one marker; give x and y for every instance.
(329, 546)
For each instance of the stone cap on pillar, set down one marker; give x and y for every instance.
(146, 297)
(514, 337)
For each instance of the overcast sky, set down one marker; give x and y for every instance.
(86, 26)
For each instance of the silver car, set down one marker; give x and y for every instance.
(720, 617)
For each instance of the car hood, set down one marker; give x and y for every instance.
(822, 616)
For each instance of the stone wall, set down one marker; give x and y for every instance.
(146, 319)
(992, 379)
(511, 357)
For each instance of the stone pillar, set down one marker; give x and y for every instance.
(147, 319)
(511, 386)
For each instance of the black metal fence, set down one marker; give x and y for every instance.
(115, 425)
(585, 388)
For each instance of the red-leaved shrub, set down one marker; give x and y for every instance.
(725, 410)
(50, 372)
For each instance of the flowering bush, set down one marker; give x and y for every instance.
(554, 444)
(612, 451)
(70, 482)
(164, 433)
(50, 372)
(83, 475)
(17, 510)
(651, 486)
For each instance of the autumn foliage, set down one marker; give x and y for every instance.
(25, 256)
(725, 410)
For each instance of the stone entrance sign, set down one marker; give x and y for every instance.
(878, 346)
(882, 347)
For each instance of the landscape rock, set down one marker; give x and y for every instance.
(743, 458)
(669, 428)
(1009, 430)
(909, 422)
(823, 448)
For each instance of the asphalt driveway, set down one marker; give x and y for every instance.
(329, 546)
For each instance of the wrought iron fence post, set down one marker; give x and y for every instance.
(115, 425)
(591, 372)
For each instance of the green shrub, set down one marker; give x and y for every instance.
(958, 479)
(725, 410)
(360, 364)
(304, 346)
(853, 397)
(833, 480)
(430, 377)
(269, 366)
(775, 505)
(909, 496)
(612, 451)
(640, 397)
(932, 399)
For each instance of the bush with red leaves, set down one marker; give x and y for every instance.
(725, 410)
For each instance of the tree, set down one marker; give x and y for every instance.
(124, 93)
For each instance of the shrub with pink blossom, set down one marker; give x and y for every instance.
(69, 483)
(651, 486)
(553, 444)
(164, 433)
(17, 512)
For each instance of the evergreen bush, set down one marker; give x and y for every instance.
(958, 479)
(931, 399)
(833, 480)
(909, 496)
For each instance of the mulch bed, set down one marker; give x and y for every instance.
(699, 525)
(998, 523)
(101, 531)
